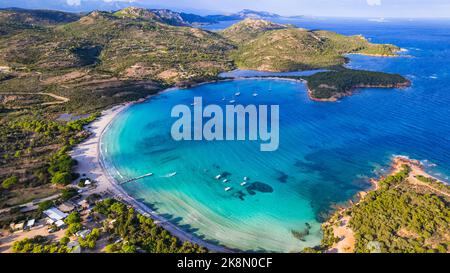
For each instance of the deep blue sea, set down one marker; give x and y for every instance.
(327, 150)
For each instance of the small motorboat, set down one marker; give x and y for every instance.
(171, 174)
(243, 183)
(255, 94)
(218, 176)
(225, 180)
(237, 94)
(228, 188)
(245, 178)
(232, 101)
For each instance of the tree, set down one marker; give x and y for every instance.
(73, 218)
(45, 205)
(66, 194)
(64, 240)
(73, 228)
(9, 182)
(62, 178)
(90, 240)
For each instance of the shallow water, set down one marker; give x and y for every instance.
(327, 150)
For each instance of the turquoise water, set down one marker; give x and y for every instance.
(327, 150)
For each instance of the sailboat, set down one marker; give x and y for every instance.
(238, 93)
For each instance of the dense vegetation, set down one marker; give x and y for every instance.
(398, 218)
(28, 140)
(138, 232)
(39, 244)
(335, 84)
(249, 29)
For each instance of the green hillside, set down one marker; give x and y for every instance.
(291, 49)
(14, 20)
(248, 29)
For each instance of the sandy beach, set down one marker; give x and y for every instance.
(90, 165)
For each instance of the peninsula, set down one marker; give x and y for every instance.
(406, 211)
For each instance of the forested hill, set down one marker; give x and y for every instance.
(273, 47)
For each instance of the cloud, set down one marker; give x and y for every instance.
(73, 2)
(374, 2)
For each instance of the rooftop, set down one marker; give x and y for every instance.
(55, 214)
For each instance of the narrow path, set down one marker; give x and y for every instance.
(416, 181)
(59, 99)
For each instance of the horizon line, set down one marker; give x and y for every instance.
(234, 12)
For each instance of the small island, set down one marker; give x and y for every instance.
(333, 85)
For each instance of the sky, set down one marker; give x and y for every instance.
(328, 8)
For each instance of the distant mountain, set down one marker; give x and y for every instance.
(257, 14)
(177, 18)
(36, 17)
(189, 19)
(164, 16)
(243, 14)
(71, 6)
(182, 18)
(15, 20)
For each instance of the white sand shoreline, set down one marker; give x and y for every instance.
(88, 155)
(90, 163)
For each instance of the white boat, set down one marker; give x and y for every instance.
(245, 178)
(218, 176)
(171, 174)
(232, 101)
(228, 188)
(243, 183)
(225, 181)
(255, 94)
(237, 94)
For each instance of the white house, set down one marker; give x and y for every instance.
(55, 214)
